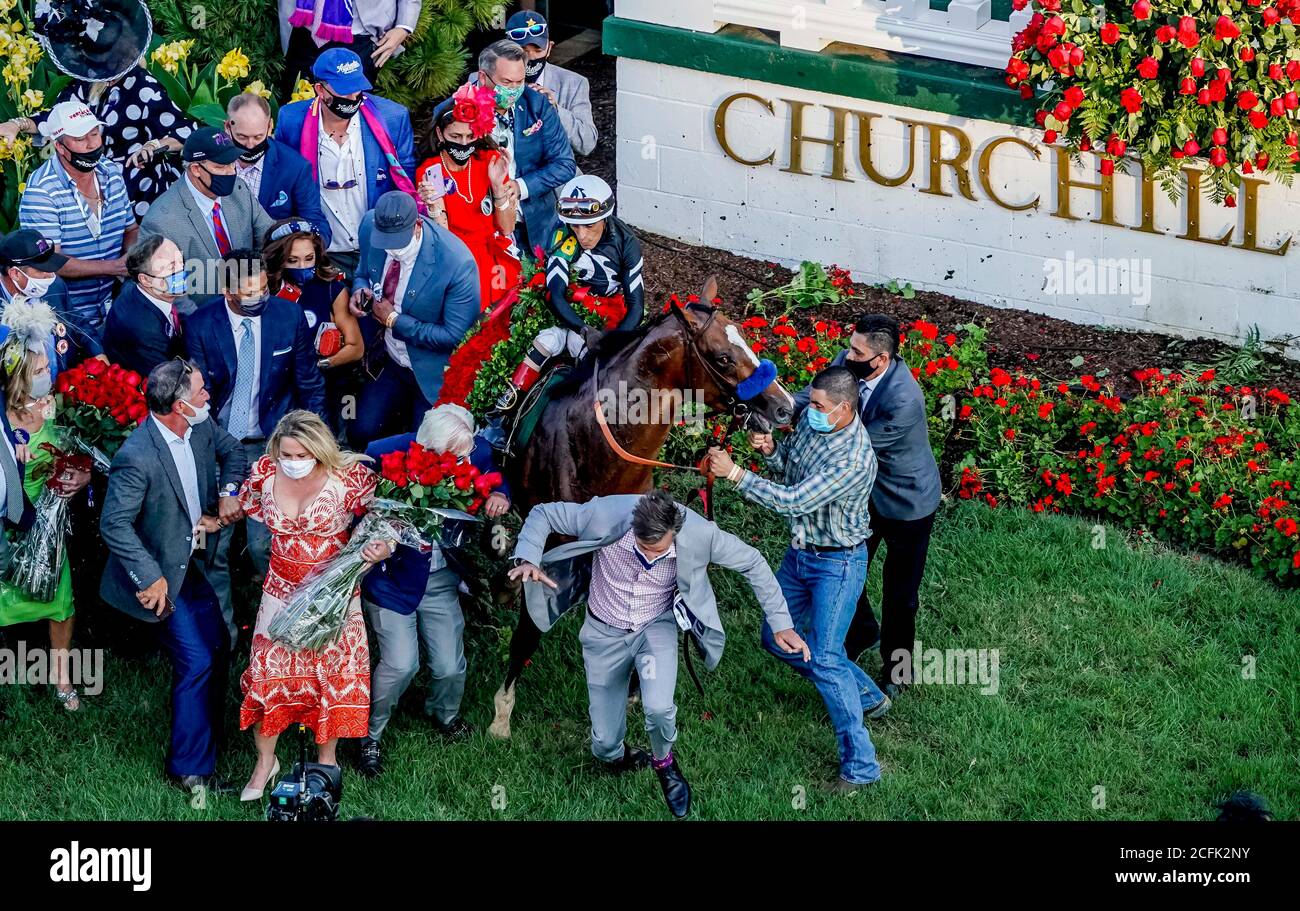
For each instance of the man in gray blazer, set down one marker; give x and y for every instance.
(905, 496)
(642, 564)
(171, 490)
(209, 211)
(567, 91)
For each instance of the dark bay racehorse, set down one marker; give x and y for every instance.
(693, 353)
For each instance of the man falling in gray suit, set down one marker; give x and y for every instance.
(649, 575)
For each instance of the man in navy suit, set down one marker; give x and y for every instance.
(143, 328)
(529, 128)
(348, 157)
(423, 286)
(279, 177)
(259, 360)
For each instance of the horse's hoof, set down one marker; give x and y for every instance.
(504, 701)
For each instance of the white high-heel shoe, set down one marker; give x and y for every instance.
(249, 794)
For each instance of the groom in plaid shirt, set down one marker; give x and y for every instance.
(827, 468)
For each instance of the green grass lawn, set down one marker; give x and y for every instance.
(1120, 668)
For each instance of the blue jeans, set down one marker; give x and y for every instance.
(821, 590)
(194, 638)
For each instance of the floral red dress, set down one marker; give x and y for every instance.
(327, 690)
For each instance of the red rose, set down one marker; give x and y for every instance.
(1220, 136)
(1247, 100)
(1109, 33)
(1271, 16)
(1218, 157)
(1149, 68)
(1142, 9)
(1131, 98)
(1049, 136)
(1246, 54)
(1074, 96)
(1203, 96)
(1107, 167)
(1198, 67)
(1291, 100)
(1258, 119)
(1225, 29)
(1191, 147)
(1062, 112)
(1187, 86)
(1274, 69)
(1164, 34)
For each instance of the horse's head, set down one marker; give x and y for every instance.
(733, 378)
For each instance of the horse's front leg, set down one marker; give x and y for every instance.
(523, 645)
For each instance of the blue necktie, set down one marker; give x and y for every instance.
(241, 405)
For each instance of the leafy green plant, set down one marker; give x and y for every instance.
(812, 286)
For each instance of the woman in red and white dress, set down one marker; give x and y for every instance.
(308, 493)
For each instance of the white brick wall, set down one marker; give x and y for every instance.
(675, 180)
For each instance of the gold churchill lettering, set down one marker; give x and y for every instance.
(1067, 185)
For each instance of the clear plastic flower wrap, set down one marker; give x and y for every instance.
(38, 558)
(317, 610)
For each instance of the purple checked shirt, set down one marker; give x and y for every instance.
(624, 593)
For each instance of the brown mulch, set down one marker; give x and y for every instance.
(1013, 335)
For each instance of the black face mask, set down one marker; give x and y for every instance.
(85, 161)
(861, 369)
(533, 69)
(221, 184)
(343, 107)
(459, 152)
(251, 154)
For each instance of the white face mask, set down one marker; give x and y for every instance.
(36, 288)
(408, 253)
(297, 468)
(199, 416)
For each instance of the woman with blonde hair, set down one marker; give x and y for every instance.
(308, 492)
(25, 332)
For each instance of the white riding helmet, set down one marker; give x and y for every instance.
(585, 200)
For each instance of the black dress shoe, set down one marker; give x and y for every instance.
(211, 784)
(456, 729)
(631, 761)
(677, 793)
(368, 762)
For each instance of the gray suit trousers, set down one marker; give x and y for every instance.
(609, 654)
(437, 623)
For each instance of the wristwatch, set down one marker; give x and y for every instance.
(230, 490)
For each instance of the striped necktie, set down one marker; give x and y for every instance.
(219, 230)
(239, 422)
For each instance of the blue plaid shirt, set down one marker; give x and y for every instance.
(827, 490)
(52, 205)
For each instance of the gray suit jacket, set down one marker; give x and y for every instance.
(602, 521)
(573, 103)
(907, 478)
(177, 216)
(146, 521)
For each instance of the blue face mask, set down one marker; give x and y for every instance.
(820, 421)
(300, 277)
(177, 281)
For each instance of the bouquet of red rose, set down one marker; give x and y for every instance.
(99, 405)
(434, 481)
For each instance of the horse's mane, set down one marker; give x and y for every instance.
(608, 346)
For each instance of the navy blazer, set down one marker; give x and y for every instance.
(396, 119)
(137, 335)
(398, 583)
(288, 188)
(289, 375)
(441, 302)
(543, 160)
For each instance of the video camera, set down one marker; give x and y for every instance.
(311, 792)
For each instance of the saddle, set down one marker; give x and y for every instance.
(518, 424)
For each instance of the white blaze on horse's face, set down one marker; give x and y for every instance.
(733, 336)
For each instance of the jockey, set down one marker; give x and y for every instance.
(602, 257)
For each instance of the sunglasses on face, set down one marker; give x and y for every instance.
(529, 31)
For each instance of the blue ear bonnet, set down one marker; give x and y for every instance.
(754, 384)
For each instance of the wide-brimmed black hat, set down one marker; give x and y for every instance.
(93, 40)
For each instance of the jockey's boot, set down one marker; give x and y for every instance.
(525, 375)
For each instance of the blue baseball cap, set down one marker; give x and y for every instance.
(528, 27)
(341, 70)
